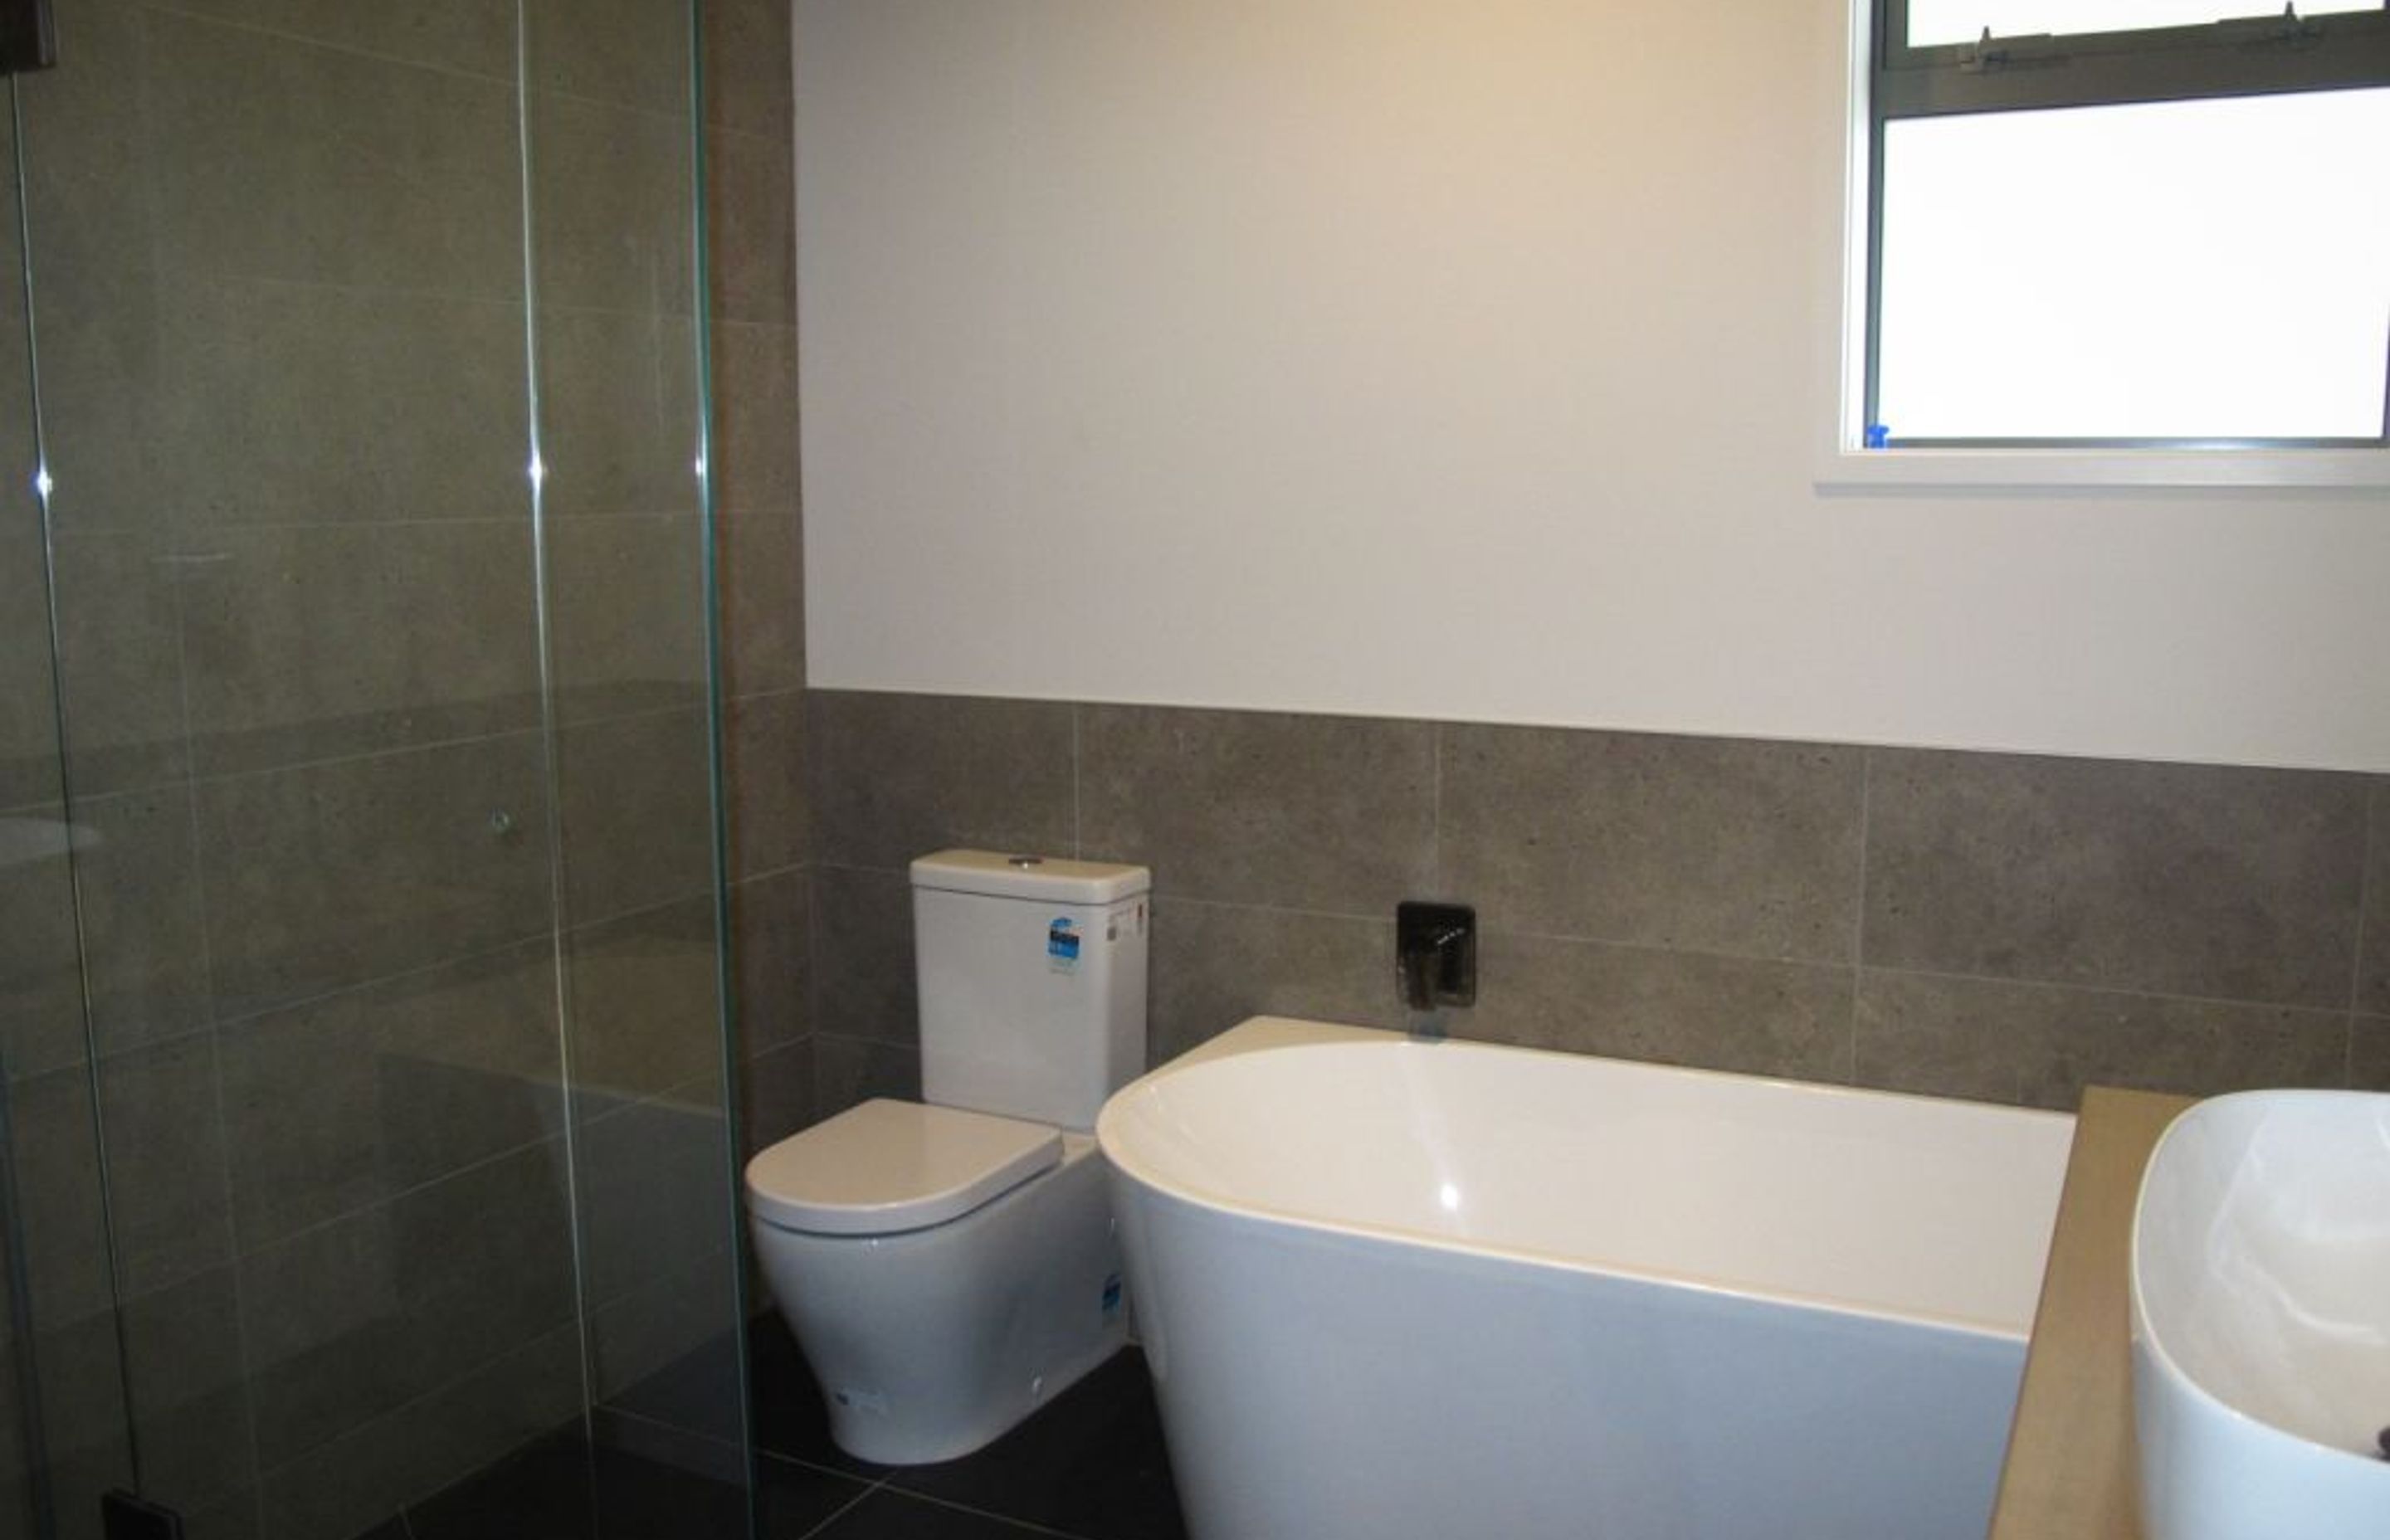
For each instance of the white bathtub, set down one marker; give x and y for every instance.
(1436, 1290)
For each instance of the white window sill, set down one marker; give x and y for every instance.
(2352, 470)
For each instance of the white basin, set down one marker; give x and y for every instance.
(2261, 1319)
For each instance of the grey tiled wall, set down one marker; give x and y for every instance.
(1997, 927)
(283, 320)
(749, 114)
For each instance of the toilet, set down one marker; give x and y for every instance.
(949, 1265)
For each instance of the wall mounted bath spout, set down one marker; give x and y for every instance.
(1435, 955)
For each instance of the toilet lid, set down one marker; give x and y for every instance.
(888, 1166)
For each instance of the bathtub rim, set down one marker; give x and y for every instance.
(1261, 1034)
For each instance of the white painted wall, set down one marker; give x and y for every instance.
(1457, 358)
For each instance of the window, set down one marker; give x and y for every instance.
(2166, 228)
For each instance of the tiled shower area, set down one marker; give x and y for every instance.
(364, 868)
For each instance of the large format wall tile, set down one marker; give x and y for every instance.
(169, 1208)
(55, 1154)
(78, 1370)
(661, 1326)
(750, 201)
(763, 772)
(863, 954)
(651, 1189)
(778, 1096)
(41, 977)
(611, 197)
(748, 67)
(763, 579)
(630, 53)
(2185, 880)
(1742, 1014)
(850, 1070)
(754, 415)
(1333, 813)
(1212, 965)
(2369, 1053)
(626, 615)
(85, 202)
(143, 953)
(40, 1014)
(2373, 968)
(899, 775)
(358, 1479)
(308, 643)
(1711, 844)
(119, 653)
(637, 815)
(294, 403)
(771, 921)
(28, 724)
(618, 412)
(190, 1392)
(338, 874)
(348, 1101)
(106, 357)
(646, 1015)
(329, 165)
(2041, 1044)
(2158, 893)
(475, 36)
(361, 1316)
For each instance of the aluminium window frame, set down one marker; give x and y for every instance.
(2249, 56)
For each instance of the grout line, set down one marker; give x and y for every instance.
(1350, 917)
(782, 1457)
(505, 1355)
(506, 79)
(670, 1099)
(533, 730)
(227, 778)
(350, 49)
(2377, 795)
(275, 1242)
(1027, 1525)
(305, 1001)
(1078, 829)
(251, 1372)
(745, 323)
(745, 698)
(1858, 911)
(174, 278)
(2122, 991)
(841, 1510)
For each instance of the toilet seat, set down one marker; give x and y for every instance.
(885, 1167)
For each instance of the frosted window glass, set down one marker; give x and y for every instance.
(2200, 270)
(1932, 22)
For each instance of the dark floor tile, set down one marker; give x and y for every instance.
(793, 1500)
(562, 1488)
(889, 1514)
(641, 1500)
(789, 1418)
(691, 1391)
(541, 1490)
(394, 1529)
(1091, 1464)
